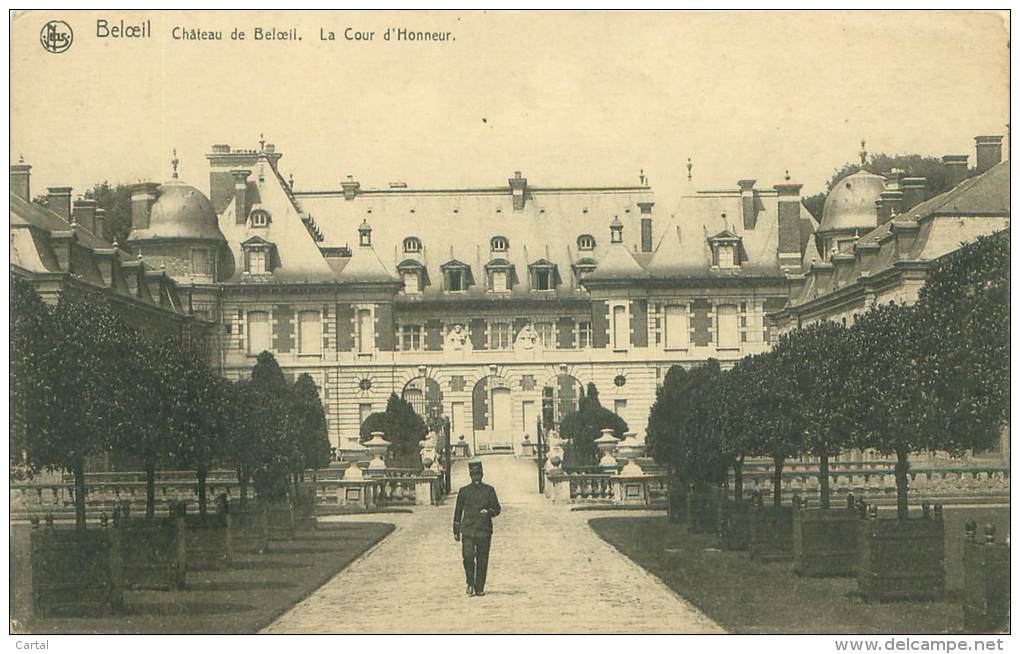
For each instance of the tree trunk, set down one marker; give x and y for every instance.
(242, 479)
(79, 493)
(738, 480)
(150, 491)
(203, 473)
(902, 466)
(777, 480)
(823, 480)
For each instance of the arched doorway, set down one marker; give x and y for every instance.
(561, 396)
(425, 396)
(492, 414)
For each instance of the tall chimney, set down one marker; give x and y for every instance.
(915, 191)
(58, 199)
(956, 168)
(100, 222)
(989, 152)
(519, 189)
(646, 225)
(143, 196)
(85, 214)
(788, 202)
(747, 202)
(20, 177)
(889, 204)
(350, 187)
(240, 195)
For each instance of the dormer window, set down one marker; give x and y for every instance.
(727, 251)
(583, 268)
(499, 244)
(586, 242)
(365, 234)
(260, 218)
(456, 276)
(412, 244)
(501, 275)
(544, 276)
(414, 275)
(258, 256)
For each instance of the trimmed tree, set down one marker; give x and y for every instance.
(584, 426)
(272, 409)
(310, 423)
(772, 412)
(402, 427)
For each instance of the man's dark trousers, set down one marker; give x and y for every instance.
(475, 550)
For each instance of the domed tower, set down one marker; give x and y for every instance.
(174, 227)
(850, 211)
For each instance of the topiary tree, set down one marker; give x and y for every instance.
(240, 448)
(585, 425)
(402, 427)
(310, 424)
(665, 416)
(701, 456)
(272, 437)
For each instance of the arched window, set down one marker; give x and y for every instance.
(260, 218)
(586, 242)
(412, 244)
(500, 244)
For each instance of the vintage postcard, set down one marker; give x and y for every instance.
(510, 322)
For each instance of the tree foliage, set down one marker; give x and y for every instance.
(585, 425)
(402, 427)
(116, 200)
(310, 419)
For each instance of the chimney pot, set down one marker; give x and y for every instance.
(989, 151)
(20, 178)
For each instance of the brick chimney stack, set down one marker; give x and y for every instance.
(143, 196)
(789, 224)
(956, 165)
(350, 187)
(240, 195)
(989, 152)
(85, 214)
(519, 190)
(747, 208)
(100, 222)
(20, 178)
(889, 203)
(646, 225)
(915, 191)
(58, 199)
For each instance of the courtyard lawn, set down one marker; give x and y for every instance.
(243, 599)
(747, 597)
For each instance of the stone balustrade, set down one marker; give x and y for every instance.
(564, 487)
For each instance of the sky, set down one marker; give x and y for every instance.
(567, 98)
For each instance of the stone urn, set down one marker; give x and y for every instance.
(607, 446)
(377, 447)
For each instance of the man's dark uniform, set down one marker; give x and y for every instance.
(475, 530)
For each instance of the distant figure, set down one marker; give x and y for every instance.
(477, 505)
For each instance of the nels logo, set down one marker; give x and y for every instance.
(56, 36)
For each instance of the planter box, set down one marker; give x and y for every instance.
(735, 527)
(75, 572)
(154, 552)
(703, 510)
(986, 587)
(771, 534)
(825, 542)
(901, 559)
(209, 541)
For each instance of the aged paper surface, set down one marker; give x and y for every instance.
(487, 214)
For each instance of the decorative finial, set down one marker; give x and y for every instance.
(290, 181)
(115, 243)
(139, 254)
(863, 153)
(21, 158)
(262, 142)
(641, 176)
(787, 178)
(690, 165)
(174, 162)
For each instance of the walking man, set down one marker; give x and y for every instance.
(477, 505)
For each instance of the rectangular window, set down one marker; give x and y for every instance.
(258, 332)
(455, 280)
(728, 331)
(410, 338)
(543, 279)
(500, 336)
(621, 328)
(547, 332)
(366, 330)
(257, 261)
(584, 334)
(726, 256)
(411, 285)
(499, 281)
(309, 333)
(677, 336)
(200, 262)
